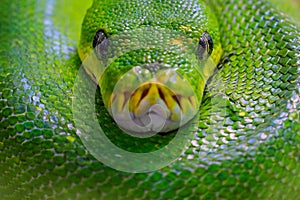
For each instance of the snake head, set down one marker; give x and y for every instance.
(152, 78)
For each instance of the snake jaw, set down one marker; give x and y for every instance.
(152, 108)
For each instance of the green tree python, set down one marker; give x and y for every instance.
(245, 144)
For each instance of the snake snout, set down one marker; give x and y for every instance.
(153, 108)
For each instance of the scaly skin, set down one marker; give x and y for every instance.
(257, 124)
(153, 40)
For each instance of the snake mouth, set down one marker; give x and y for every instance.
(152, 108)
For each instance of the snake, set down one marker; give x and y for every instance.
(244, 143)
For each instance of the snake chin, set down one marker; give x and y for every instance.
(152, 109)
(150, 123)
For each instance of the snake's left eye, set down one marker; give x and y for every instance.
(100, 44)
(205, 46)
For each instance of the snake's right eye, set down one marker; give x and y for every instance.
(100, 44)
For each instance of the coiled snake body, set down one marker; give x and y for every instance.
(246, 145)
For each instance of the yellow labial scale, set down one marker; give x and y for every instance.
(169, 100)
(175, 116)
(153, 94)
(135, 99)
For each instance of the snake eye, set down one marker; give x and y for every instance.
(100, 45)
(205, 46)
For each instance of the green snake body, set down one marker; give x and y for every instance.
(246, 145)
